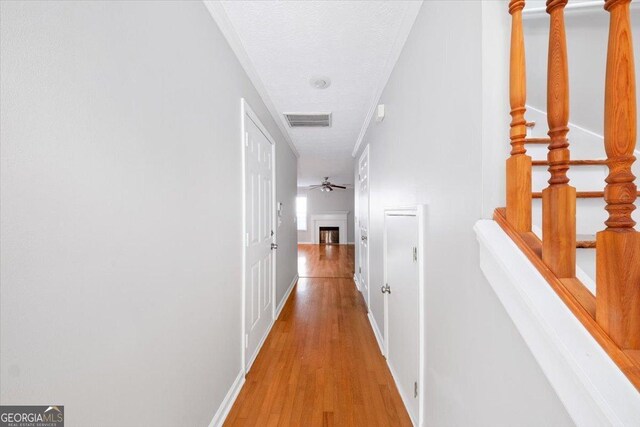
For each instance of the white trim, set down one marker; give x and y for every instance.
(420, 212)
(247, 111)
(376, 332)
(219, 14)
(227, 403)
(408, 18)
(404, 397)
(286, 295)
(366, 152)
(585, 6)
(305, 243)
(355, 280)
(338, 219)
(592, 388)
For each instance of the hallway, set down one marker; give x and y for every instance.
(321, 364)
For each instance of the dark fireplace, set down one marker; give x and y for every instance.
(329, 235)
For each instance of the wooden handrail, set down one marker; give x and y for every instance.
(618, 246)
(518, 164)
(559, 198)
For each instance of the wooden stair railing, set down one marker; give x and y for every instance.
(559, 198)
(618, 246)
(518, 164)
(612, 317)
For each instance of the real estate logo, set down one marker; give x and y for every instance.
(32, 416)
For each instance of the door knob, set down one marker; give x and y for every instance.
(274, 246)
(385, 289)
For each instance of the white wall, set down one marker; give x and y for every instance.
(121, 224)
(319, 202)
(587, 36)
(429, 149)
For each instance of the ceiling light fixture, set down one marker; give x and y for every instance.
(320, 82)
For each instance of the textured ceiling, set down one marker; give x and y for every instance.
(351, 42)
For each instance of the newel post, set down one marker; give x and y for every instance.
(518, 164)
(618, 246)
(559, 198)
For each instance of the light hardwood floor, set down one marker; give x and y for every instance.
(326, 260)
(321, 364)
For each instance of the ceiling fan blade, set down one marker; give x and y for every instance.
(311, 187)
(337, 186)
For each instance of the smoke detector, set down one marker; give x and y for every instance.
(320, 82)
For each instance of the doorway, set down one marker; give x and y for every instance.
(259, 234)
(403, 304)
(363, 224)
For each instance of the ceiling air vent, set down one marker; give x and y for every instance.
(307, 120)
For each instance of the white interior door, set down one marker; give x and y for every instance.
(259, 228)
(402, 306)
(363, 223)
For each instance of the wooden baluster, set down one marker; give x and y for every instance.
(559, 198)
(618, 246)
(518, 164)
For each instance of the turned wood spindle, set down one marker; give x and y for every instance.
(618, 246)
(559, 198)
(518, 164)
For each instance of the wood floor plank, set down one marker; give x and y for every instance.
(321, 364)
(326, 260)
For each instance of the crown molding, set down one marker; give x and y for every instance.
(219, 14)
(408, 18)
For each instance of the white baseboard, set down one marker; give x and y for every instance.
(405, 399)
(355, 280)
(286, 295)
(376, 332)
(228, 401)
(305, 243)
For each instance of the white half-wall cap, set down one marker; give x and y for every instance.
(380, 113)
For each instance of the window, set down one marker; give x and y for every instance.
(301, 212)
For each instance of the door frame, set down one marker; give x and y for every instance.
(366, 152)
(247, 112)
(419, 211)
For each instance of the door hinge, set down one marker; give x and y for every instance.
(359, 270)
(415, 253)
(415, 389)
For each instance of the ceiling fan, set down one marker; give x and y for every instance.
(326, 185)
